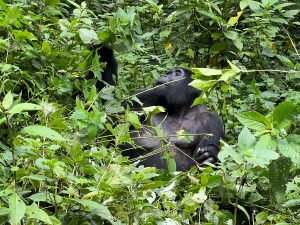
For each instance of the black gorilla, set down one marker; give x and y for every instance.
(176, 96)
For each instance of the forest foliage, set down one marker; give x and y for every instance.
(60, 161)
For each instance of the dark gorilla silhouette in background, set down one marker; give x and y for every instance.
(176, 96)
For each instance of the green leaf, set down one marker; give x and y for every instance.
(292, 203)
(228, 152)
(4, 211)
(290, 151)
(43, 197)
(7, 100)
(17, 209)
(207, 71)
(202, 85)
(88, 36)
(262, 157)
(244, 211)
(121, 133)
(229, 76)
(279, 20)
(254, 120)
(42, 131)
(133, 119)
(46, 47)
(98, 209)
(261, 217)
(239, 44)
(171, 163)
(96, 67)
(266, 142)
(282, 115)
(153, 110)
(291, 13)
(215, 48)
(234, 67)
(34, 212)
(52, 2)
(246, 139)
(230, 34)
(254, 6)
(24, 107)
(243, 4)
(23, 35)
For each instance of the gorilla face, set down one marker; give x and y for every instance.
(173, 75)
(174, 92)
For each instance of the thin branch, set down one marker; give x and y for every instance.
(281, 71)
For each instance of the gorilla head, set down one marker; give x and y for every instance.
(173, 91)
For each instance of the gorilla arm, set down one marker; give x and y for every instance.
(208, 145)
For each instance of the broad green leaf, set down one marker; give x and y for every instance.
(291, 13)
(215, 48)
(171, 163)
(46, 47)
(96, 67)
(228, 76)
(244, 211)
(2, 120)
(7, 100)
(133, 119)
(279, 20)
(283, 5)
(238, 43)
(254, 6)
(88, 36)
(52, 2)
(23, 35)
(266, 142)
(199, 100)
(34, 212)
(17, 209)
(24, 107)
(4, 211)
(246, 139)
(289, 151)
(121, 133)
(228, 152)
(262, 157)
(191, 53)
(282, 115)
(243, 4)
(254, 120)
(202, 85)
(207, 71)
(232, 35)
(42, 131)
(261, 217)
(234, 67)
(153, 109)
(76, 151)
(292, 203)
(98, 209)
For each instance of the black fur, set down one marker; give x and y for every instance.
(106, 55)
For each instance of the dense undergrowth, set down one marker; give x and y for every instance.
(59, 136)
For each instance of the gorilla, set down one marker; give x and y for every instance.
(179, 121)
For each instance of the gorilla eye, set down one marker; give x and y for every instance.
(177, 73)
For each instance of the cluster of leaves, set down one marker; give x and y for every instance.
(59, 136)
